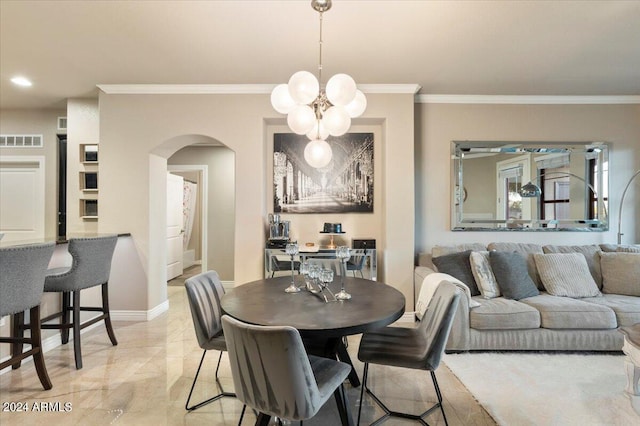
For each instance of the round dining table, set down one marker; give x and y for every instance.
(264, 302)
(322, 325)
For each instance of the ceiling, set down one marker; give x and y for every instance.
(447, 47)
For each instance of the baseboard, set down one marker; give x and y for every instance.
(228, 285)
(140, 315)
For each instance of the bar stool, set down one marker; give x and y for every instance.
(90, 267)
(22, 273)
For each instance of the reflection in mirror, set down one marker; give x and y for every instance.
(530, 186)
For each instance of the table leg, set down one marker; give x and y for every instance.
(343, 356)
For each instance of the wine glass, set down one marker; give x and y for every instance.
(326, 276)
(314, 272)
(343, 253)
(292, 249)
(304, 271)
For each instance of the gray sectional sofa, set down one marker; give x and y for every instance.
(569, 315)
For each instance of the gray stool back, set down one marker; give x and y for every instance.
(91, 265)
(22, 274)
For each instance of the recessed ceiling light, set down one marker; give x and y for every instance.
(21, 81)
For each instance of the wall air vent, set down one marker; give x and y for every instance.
(62, 123)
(20, 141)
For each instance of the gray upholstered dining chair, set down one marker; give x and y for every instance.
(273, 374)
(418, 348)
(90, 267)
(22, 272)
(204, 292)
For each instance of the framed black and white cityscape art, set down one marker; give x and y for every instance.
(344, 185)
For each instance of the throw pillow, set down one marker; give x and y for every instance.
(458, 266)
(483, 274)
(510, 270)
(620, 273)
(628, 249)
(527, 251)
(566, 274)
(591, 254)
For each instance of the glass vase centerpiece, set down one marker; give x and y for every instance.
(292, 249)
(343, 253)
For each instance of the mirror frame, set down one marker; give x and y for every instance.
(526, 153)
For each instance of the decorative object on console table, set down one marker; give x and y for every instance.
(624, 193)
(332, 229)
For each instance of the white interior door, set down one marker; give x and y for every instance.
(22, 189)
(174, 225)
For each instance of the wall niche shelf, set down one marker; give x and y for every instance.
(89, 181)
(89, 153)
(89, 209)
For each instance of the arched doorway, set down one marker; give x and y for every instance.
(202, 153)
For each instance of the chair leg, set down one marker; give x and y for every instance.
(343, 406)
(365, 374)
(66, 306)
(18, 333)
(36, 344)
(389, 413)
(439, 395)
(105, 310)
(77, 351)
(244, 408)
(214, 398)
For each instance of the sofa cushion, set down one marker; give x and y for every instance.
(458, 266)
(503, 314)
(626, 308)
(620, 273)
(527, 251)
(591, 254)
(482, 273)
(566, 274)
(627, 248)
(564, 312)
(511, 274)
(438, 251)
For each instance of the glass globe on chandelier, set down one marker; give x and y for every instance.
(318, 112)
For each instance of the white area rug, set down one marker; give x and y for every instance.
(548, 389)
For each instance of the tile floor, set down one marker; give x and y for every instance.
(145, 380)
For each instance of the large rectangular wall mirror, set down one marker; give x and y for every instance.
(530, 186)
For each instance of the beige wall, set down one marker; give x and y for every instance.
(220, 162)
(439, 124)
(138, 133)
(83, 122)
(43, 122)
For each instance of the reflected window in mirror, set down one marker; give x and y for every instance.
(530, 186)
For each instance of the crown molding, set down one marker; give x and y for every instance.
(232, 89)
(526, 99)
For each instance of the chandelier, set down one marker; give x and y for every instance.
(317, 112)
